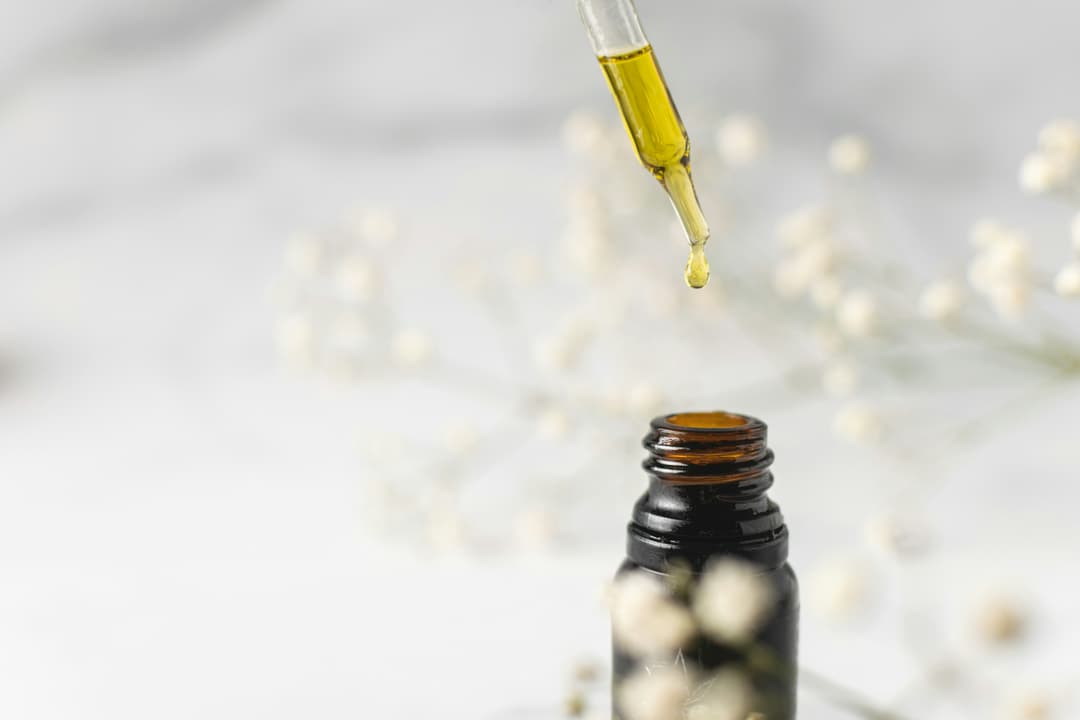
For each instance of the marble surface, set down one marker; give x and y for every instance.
(178, 532)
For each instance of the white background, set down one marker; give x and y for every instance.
(178, 525)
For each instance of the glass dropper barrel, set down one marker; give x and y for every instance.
(649, 114)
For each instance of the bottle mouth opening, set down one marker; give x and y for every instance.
(715, 421)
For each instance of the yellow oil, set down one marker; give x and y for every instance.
(661, 143)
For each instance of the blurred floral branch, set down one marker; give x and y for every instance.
(816, 298)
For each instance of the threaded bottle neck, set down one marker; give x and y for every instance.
(714, 448)
(708, 476)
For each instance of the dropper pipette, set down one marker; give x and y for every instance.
(649, 114)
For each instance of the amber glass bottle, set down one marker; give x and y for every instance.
(708, 475)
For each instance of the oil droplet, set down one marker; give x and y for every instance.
(697, 267)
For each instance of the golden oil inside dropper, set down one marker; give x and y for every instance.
(661, 143)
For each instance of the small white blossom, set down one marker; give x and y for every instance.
(1010, 299)
(295, 336)
(583, 132)
(986, 232)
(356, 278)
(445, 529)
(526, 269)
(411, 347)
(789, 280)
(858, 423)
(808, 223)
(1067, 280)
(941, 301)
(806, 265)
(534, 528)
(304, 254)
(552, 423)
(896, 535)
(727, 695)
(841, 378)
(562, 350)
(1041, 173)
(837, 589)
(379, 226)
(740, 139)
(849, 155)
(645, 620)
(1027, 705)
(1061, 139)
(857, 314)
(644, 399)
(459, 438)
(732, 600)
(587, 243)
(1000, 620)
(653, 694)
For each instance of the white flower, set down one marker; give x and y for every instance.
(732, 600)
(740, 140)
(1061, 138)
(534, 528)
(841, 378)
(411, 347)
(459, 438)
(356, 278)
(295, 336)
(379, 226)
(808, 223)
(552, 423)
(1040, 173)
(653, 694)
(728, 695)
(1009, 257)
(445, 529)
(999, 620)
(1010, 299)
(587, 243)
(849, 155)
(644, 399)
(896, 535)
(789, 280)
(1067, 280)
(583, 132)
(858, 423)
(807, 264)
(645, 620)
(526, 269)
(562, 350)
(857, 314)
(941, 301)
(304, 254)
(837, 589)
(1028, 705)
(986, 232)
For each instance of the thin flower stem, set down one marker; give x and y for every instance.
(844, 697)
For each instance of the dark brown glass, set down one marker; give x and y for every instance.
(708, 475)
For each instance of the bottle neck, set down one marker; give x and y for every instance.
(709, 473)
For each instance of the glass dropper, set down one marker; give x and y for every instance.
(650, 116)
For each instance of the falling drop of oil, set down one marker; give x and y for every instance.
(697, 267)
